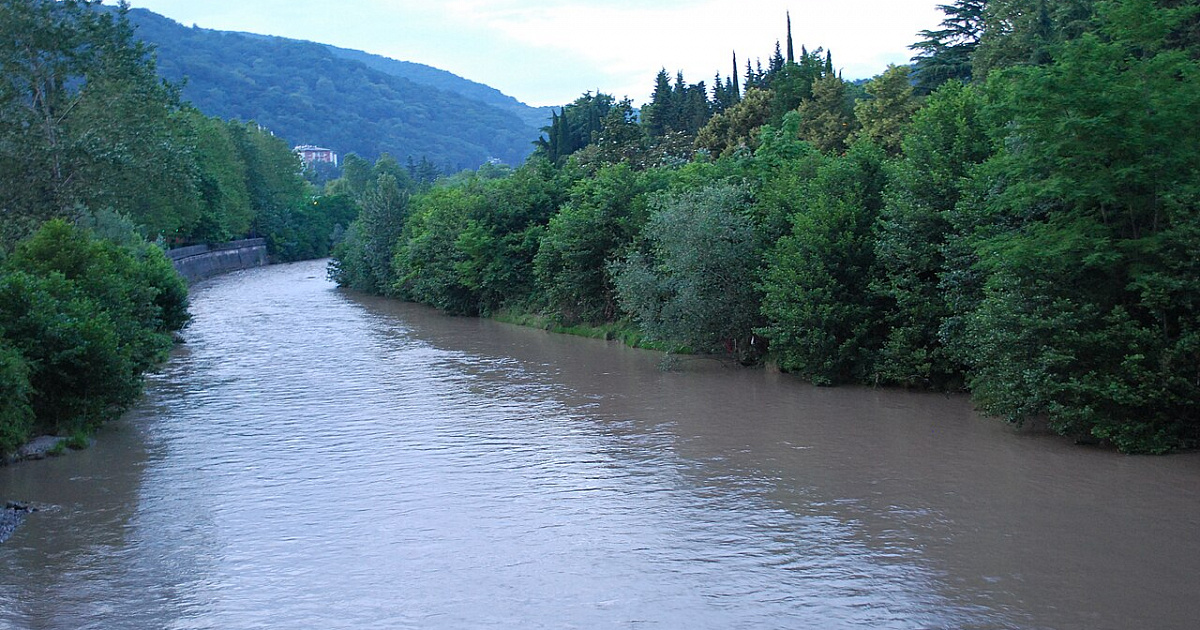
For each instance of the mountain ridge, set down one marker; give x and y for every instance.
(425, 74)
(346, 100)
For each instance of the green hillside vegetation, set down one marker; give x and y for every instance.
(534, 117)
(1016, 214)
(308, 94)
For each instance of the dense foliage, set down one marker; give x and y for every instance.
(82, 319)
(1016, 215)
(99, 159)
(87, 126)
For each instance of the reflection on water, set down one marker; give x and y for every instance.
(312, 458)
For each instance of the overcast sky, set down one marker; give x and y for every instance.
(548, 52)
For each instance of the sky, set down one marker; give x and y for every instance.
(549, 52)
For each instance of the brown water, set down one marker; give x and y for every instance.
(315, 459)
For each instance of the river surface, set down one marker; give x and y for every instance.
(312, 458)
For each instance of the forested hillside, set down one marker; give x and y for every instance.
(534, 117)
(307, 93)
(1016, 214)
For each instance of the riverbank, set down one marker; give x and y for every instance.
(13, 514)
(39, 447)
(199, 262)
(625, 332)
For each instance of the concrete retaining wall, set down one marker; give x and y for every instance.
(198, 262)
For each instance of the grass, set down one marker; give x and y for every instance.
(77, 441)
(624, 331)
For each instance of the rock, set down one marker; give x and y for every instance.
(40, 447)
(11, 518)
(13, 514)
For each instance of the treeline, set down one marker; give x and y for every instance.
(87, 125)
(101, 167)
(1014, 214)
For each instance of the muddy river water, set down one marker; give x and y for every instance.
(311, 458)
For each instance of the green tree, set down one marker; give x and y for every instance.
(356, 175)
(826, 119)
(822, 319)
(620, 139)
(427, 260)
(656, 115)
(695, 285)
(738, 126)
(86, 122)
(781, 170)
(917, 237)
(79, 372)
(888, 108)
(16, 416)
(276, 186)
(675, 109)
(226, 211)
(576, 126)
(1023, 32)
(89, 317)
(945, 54)
(1088, 315)
(603, 215)
(384, 211)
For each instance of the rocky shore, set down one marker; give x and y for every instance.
(14, 512)
(12, 516)
(38, 448)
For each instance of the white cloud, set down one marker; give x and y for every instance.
(551, 51)
(627, 42)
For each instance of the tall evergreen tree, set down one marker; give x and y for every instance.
(737, 92)
(656, 114)
(791, 52)
(945, 54)
(1022, 32)
(777, 60)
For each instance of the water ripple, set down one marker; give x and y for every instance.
(313, 459)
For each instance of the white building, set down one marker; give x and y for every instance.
(310, 155)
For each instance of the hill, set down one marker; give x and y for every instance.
(536, 117)
(309, 93)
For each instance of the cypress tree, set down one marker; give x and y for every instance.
(791, 54)
(737, 92)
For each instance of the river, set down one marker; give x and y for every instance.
(311, 458)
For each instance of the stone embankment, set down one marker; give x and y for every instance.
(198, 262)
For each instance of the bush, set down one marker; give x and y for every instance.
(16, 417)
(695, 287)
(82, 319)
